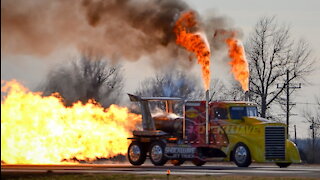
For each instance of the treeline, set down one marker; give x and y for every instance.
(308, 152)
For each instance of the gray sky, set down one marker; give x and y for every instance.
(302, 16)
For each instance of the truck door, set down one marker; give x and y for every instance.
(195, 122)
(217, 135)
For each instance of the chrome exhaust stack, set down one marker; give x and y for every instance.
(207, 116)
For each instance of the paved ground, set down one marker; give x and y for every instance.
(215, 169)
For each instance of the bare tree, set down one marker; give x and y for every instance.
(271, 52)
(90, 77)
(221, 92)
(312, 117)
(171, 83)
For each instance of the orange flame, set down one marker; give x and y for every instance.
(41, 130)
(239, 63)
(194, 42)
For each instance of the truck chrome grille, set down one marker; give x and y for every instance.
(275, 143)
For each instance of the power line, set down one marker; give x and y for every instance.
(307, 103)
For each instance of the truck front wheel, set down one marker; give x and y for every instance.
(283, 165)
(241, 155)
(136, 153)
(156, 153)
(198, 162)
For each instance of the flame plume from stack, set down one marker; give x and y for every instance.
(194, 42)
(239, 64)
(41, 130)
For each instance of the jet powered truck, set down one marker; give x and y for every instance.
(206, 131)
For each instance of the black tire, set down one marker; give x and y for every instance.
(156, 153)
(283, 165)
(177, 162)
(136, 153)
(241, 155)
(198, 162)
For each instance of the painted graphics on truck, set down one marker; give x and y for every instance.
(266, 140)
(195, 127)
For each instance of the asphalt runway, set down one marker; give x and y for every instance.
(219, 169)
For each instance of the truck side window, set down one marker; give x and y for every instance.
(220, 113)
(237, 112)
(252, 111)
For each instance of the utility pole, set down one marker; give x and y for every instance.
(313, 137)
(295, 134)
(288, 101)
(288, 87)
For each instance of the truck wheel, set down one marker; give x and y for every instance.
(283, 165)
(156, 153)
(177, 162)
(241, 155)
(198, 162)
(136, 153)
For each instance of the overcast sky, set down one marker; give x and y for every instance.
(302, 16)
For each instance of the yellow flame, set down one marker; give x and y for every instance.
(41, 130)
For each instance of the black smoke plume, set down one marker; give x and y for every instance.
(116, 29)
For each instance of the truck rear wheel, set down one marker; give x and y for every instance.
(136, 153)
(156, 153)
(283, 165)
(241, 155)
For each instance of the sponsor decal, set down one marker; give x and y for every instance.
(180, 150)
(241, 129)
(177, 152)
(192, 113)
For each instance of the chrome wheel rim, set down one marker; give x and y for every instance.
(156, 153)
(134, 152)
(241, 154)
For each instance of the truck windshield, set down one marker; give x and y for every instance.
(237, 112)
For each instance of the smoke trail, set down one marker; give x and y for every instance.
(127, 29)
